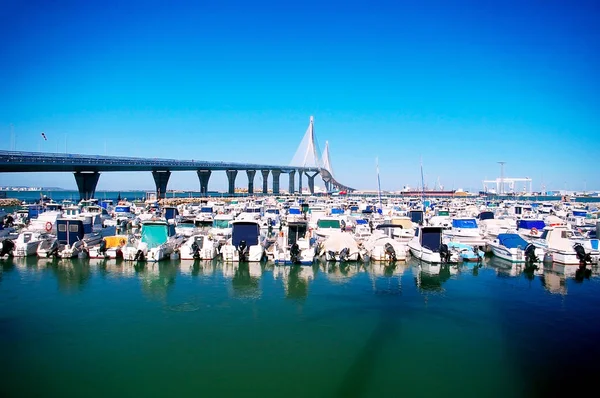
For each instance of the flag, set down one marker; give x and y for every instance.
(44, 136)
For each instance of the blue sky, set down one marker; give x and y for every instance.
(462, 84)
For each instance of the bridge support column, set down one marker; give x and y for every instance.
(300, 181)
(292, 182)
(265, 174)
(276, 174)
(86, 183)
(251, 174)
(231, 174)
(311, 181)
(161, 178)
(204, 176)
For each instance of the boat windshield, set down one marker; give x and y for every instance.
(221, 224)
(154, 235)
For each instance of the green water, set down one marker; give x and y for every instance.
(90, 328)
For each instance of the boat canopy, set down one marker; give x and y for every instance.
(579, 213)
(245, 231)
(155, 234)
(122, 209)
(360, 221)
(296, 231)
(337, 210)
(431, 238)
(416, 216)
(294, 210)
(464, 223)
(512, 241)
(528, 224)
(328, 223)
(486, 215)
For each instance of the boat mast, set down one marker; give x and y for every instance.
(378, 184)
(422, 184)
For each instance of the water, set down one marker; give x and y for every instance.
(99, 328)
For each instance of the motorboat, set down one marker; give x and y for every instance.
(245, 244)
(380, 247)
(157, 241)
(559, 247)
(28, 242)
(512, 247)
(340, 247)
(69, 241)
(294, 245)
(427, 246)
(111, 247)
(199, 247)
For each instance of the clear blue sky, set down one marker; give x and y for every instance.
(463, 84)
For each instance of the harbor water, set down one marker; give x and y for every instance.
(97, 328)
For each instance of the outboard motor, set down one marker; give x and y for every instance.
(331, 255)
(444, 253)
(243, 251)
(9, 221)
(583, 257)
(139, 256)
(84, 253)
(371, 227)
(390, 251)
(7, 247)
(344, 254)
(195, 250)
(530, 256)
(123, 226)
(102, 247)
(53, 249)
(295, 254)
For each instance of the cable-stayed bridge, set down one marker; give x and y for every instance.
(307, 155)
(87, 169)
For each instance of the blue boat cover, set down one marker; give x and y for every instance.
(245, 231)
(464, 223)
(360, 221)
(294, 211)
(528, 224)
(337, 211)
(122, 209)
(512, 241)
(579, 213)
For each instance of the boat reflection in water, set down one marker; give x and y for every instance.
(295, 279)
(428, 281)
(340, 272)
(157, 279)
(245, 279)
(198, 267)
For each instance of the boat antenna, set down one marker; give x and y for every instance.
(378, 184)
(422, 183)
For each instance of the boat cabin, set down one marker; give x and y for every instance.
(430, 237)
(156, 232)
(69, 230)
(296, 230)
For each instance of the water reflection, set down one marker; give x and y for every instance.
(431, 277)
(245, 279)
(295, 279)
(72, 275)
(158, 279)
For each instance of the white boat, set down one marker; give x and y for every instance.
(559, 247)
(69, 241)
(199, 247)
(157, 241)
(512, 247)
(245, 244)
(111, 247)
(380, 247)
(28, 242)
(427, 246)
(221, 227)
(326, 226)
(465, 230)
(293, 245)
(340, 247)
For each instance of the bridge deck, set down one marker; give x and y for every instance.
(11, 161)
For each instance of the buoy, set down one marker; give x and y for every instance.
(48, 226)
